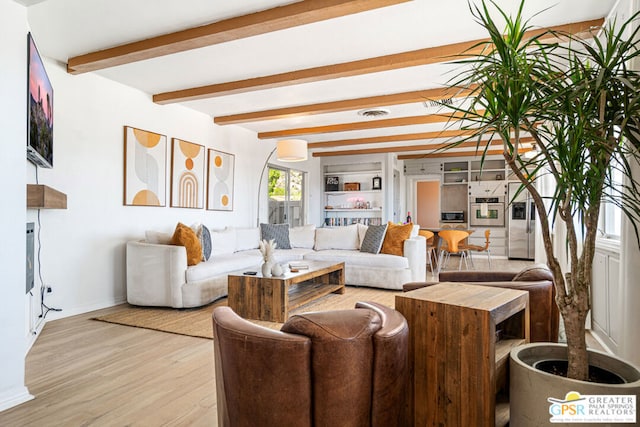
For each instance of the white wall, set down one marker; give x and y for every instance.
(83, 256)
(13, 107)
(83, 247)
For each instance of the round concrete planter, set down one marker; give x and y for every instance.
(530, 388)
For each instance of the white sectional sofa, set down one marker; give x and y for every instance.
(158, 275)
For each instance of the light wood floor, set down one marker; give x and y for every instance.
(83, 372)
(88, 373)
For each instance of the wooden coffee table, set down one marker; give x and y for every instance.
(271, 298)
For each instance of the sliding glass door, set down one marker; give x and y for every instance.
(286, 196)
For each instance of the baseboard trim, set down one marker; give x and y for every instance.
(14, 398)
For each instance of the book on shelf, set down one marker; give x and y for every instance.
(298, 265)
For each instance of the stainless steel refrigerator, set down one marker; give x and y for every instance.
(522, 224)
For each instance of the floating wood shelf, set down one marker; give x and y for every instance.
(44, 197)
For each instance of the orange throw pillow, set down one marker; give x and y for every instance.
(185, 236)
(393, 243)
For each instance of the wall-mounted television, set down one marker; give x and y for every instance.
(39, 109)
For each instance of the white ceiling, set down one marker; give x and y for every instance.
(67, 28)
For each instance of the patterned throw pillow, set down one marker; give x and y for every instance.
(394, 239)
(185, 236)
(205, 240)
(373, 238)
(277, 232)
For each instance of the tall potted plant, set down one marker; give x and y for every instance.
(578, 101)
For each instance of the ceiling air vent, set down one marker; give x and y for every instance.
(373, 112)
(438, 102)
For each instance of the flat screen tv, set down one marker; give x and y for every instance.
(39, 109)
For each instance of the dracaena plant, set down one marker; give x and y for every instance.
(577, 99)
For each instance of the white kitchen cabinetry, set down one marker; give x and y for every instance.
(354, 193)
(490, 170)
(455, 172)
(498, 239)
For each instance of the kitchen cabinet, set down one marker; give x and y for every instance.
(489, 170)
(454, 172)
(497, 239)
(487, 188)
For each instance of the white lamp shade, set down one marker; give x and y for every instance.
(292, 150)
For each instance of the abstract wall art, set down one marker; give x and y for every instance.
(145, 168)
(187, 174)
(220, 181)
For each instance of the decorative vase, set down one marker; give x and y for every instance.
(276, 270)
(533, 392)
(266, 269)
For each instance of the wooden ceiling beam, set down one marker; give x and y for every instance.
(426, 56)
(455, 154)
(343, 105)
(375, 124)
(266, 21)
(391, 138)
(432, 148)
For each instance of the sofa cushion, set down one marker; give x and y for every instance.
(354, 257)
(302, 237)
(185, 236)
(533, 273)
(394, 238)
(277, 232)
(223, 241)
(337, 238)
(247, 238)
(373, 238)
(157, 237)
(281, 256)
(222, 264)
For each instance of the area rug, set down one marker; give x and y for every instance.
(196, 322)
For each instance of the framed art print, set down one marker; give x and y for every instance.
(145, 168)
(187, 174)
(220, 181)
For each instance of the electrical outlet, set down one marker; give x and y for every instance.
(49, 289)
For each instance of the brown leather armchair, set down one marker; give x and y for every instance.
(341, 368)
(536, 279)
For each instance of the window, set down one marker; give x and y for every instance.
(610, 224)
(286, 189)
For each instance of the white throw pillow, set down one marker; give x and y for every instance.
(303, 237)
(223, 241)
(362, 231)
(337, 238)
(247, 238)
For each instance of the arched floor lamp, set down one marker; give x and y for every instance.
(288, 150)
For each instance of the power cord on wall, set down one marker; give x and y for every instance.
(44, 308)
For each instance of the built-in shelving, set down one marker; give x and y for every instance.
(353, 194)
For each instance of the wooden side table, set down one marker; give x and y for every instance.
(459, 351)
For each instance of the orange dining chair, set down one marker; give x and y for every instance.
(452, 239)
(477, 248)
(432, 257)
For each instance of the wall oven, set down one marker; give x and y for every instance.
(486, 212)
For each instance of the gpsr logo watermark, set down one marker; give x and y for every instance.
(594, 408)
